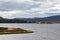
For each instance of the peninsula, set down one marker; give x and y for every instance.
(5, 30)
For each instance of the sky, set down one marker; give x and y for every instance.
(29, 8)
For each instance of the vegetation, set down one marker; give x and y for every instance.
(6, 30)
(2, 20)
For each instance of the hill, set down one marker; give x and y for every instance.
(47, 19)
(31, 20)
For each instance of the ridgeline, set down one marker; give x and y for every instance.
(3, 20)
(51, 19)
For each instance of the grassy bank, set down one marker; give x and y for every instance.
(5, 30)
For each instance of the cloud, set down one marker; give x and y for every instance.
(7, 14)
(14, 5)
(29, 8)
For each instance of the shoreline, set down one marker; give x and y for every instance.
(6, 30)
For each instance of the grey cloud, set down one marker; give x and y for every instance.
(17, 6)
(51, 14)
(40, 0)
(36, 8)
(37, 0)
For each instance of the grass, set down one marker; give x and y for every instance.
(14, 31)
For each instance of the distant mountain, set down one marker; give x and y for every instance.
(48, 19)
(1, 17)
(53, 19)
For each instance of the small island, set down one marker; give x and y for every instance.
(6, 30)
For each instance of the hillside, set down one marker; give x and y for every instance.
(31, 20)
(51, 19)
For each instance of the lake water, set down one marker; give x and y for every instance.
(41, 32)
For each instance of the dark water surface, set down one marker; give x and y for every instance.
(41, 32)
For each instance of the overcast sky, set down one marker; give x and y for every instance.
(29, 8)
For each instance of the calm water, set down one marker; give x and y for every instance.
(41, 32)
